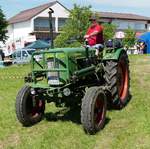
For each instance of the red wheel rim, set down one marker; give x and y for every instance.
(37, 108)
(99, 111)
(34, 107)
(122, 81)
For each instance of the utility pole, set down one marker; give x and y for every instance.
(51, 27)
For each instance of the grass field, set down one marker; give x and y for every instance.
(125, 129)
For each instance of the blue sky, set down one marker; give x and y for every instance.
(141, 7)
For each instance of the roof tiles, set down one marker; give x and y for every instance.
(30, 13)
(122, 16)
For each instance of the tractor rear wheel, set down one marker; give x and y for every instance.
(29, 110)
(117, 78)
(93, 110)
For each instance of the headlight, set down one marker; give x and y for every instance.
(66, 92)
(33, 92)
(53, 77)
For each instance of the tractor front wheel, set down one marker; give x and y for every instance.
(29, 110)
(93, 110)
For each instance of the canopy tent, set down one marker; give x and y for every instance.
(145, 38)
(38, 44)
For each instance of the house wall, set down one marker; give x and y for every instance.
(17, 34)
(59, 12)
(148, 27)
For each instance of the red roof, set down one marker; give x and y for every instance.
(128, 16)
(30, 13)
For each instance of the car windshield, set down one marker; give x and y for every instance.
(31, 51)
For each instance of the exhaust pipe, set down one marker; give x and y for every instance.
(51, 27)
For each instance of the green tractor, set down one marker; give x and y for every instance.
(68, 76)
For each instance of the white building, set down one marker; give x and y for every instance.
(124, 20)
(32, 24)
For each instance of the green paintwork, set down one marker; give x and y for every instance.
(86, 71)
(112, 55)
(68, 66)
(68, 56)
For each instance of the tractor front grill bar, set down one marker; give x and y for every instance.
(53, 64)
(50, 70)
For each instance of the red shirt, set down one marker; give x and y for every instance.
(95, 39)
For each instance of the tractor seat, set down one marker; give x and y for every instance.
(113, 43)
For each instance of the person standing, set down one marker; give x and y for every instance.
(2, 56)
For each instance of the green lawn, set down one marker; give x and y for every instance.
(125, 129)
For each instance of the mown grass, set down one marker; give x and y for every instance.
(125, 129)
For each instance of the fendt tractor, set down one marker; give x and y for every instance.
(68, 76)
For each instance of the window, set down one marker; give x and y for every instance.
(18, 54)
(140, 26)
(61, 22)
(42, 24)
(31, 51)
(121, 24)
(131, 25)
(24, 54)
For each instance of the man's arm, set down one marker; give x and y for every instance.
(96, 32)
(92, 34)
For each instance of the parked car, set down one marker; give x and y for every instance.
(22, 56)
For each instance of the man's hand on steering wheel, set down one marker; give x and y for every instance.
(86, 36)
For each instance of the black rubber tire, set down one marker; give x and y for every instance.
(24, 107)
(88, 110)
(112, 78)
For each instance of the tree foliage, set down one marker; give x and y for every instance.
(130, 38)
(109, 31)
(72, 33)
(3, 26)
(75, 28)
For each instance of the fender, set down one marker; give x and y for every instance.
(113, 55)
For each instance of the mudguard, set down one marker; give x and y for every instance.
(113, 55)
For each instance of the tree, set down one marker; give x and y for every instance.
(3, 26)
(129, 39)
(109, 31)
(75, 28)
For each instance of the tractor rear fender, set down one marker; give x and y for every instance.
(113, 55)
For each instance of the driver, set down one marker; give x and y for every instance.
(94, 35)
